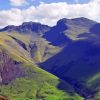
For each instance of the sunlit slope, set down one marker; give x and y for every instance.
(21, 79)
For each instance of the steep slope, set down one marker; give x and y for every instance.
(69, 50)
(79, 61)
(21, 79)
(56, 35)
(49, 41)
(68, 30)
(40, 48)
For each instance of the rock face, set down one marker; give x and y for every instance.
(9, 69)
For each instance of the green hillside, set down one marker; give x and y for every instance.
(20, 78)
(70, 50)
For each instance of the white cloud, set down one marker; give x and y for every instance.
(18, 2)
(10, 17)
(50, 13)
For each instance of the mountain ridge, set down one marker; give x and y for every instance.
(69, 50)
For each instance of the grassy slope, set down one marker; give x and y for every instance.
(38, 84)
(44, 49)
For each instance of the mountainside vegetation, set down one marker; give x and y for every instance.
(58, 63)
(21, 79)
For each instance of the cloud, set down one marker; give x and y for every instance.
(18, 2)
(10, 17)
(50, 13)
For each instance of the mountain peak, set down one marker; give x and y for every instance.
(30, 23)
(62, 21)
(81, 21)
(80, 18)
(27, 27)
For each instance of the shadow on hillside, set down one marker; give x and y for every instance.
(95, 29)
(78, 60)
(81, 50)
(56, 36)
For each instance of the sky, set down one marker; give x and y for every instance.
(15, 12)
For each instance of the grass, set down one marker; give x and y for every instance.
(97, 96)
(94, 83)
(23, 89)
(37, 84)
(94, 78)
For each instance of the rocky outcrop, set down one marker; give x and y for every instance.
(9, 69)
(4, 98)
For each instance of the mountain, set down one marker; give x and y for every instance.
(35, 31)
(69, 50)
(68, 30)
(27, 27)
(79, 59)
(21, 79)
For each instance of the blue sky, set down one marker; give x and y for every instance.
(5, 4)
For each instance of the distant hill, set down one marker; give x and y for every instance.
(27, 27)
